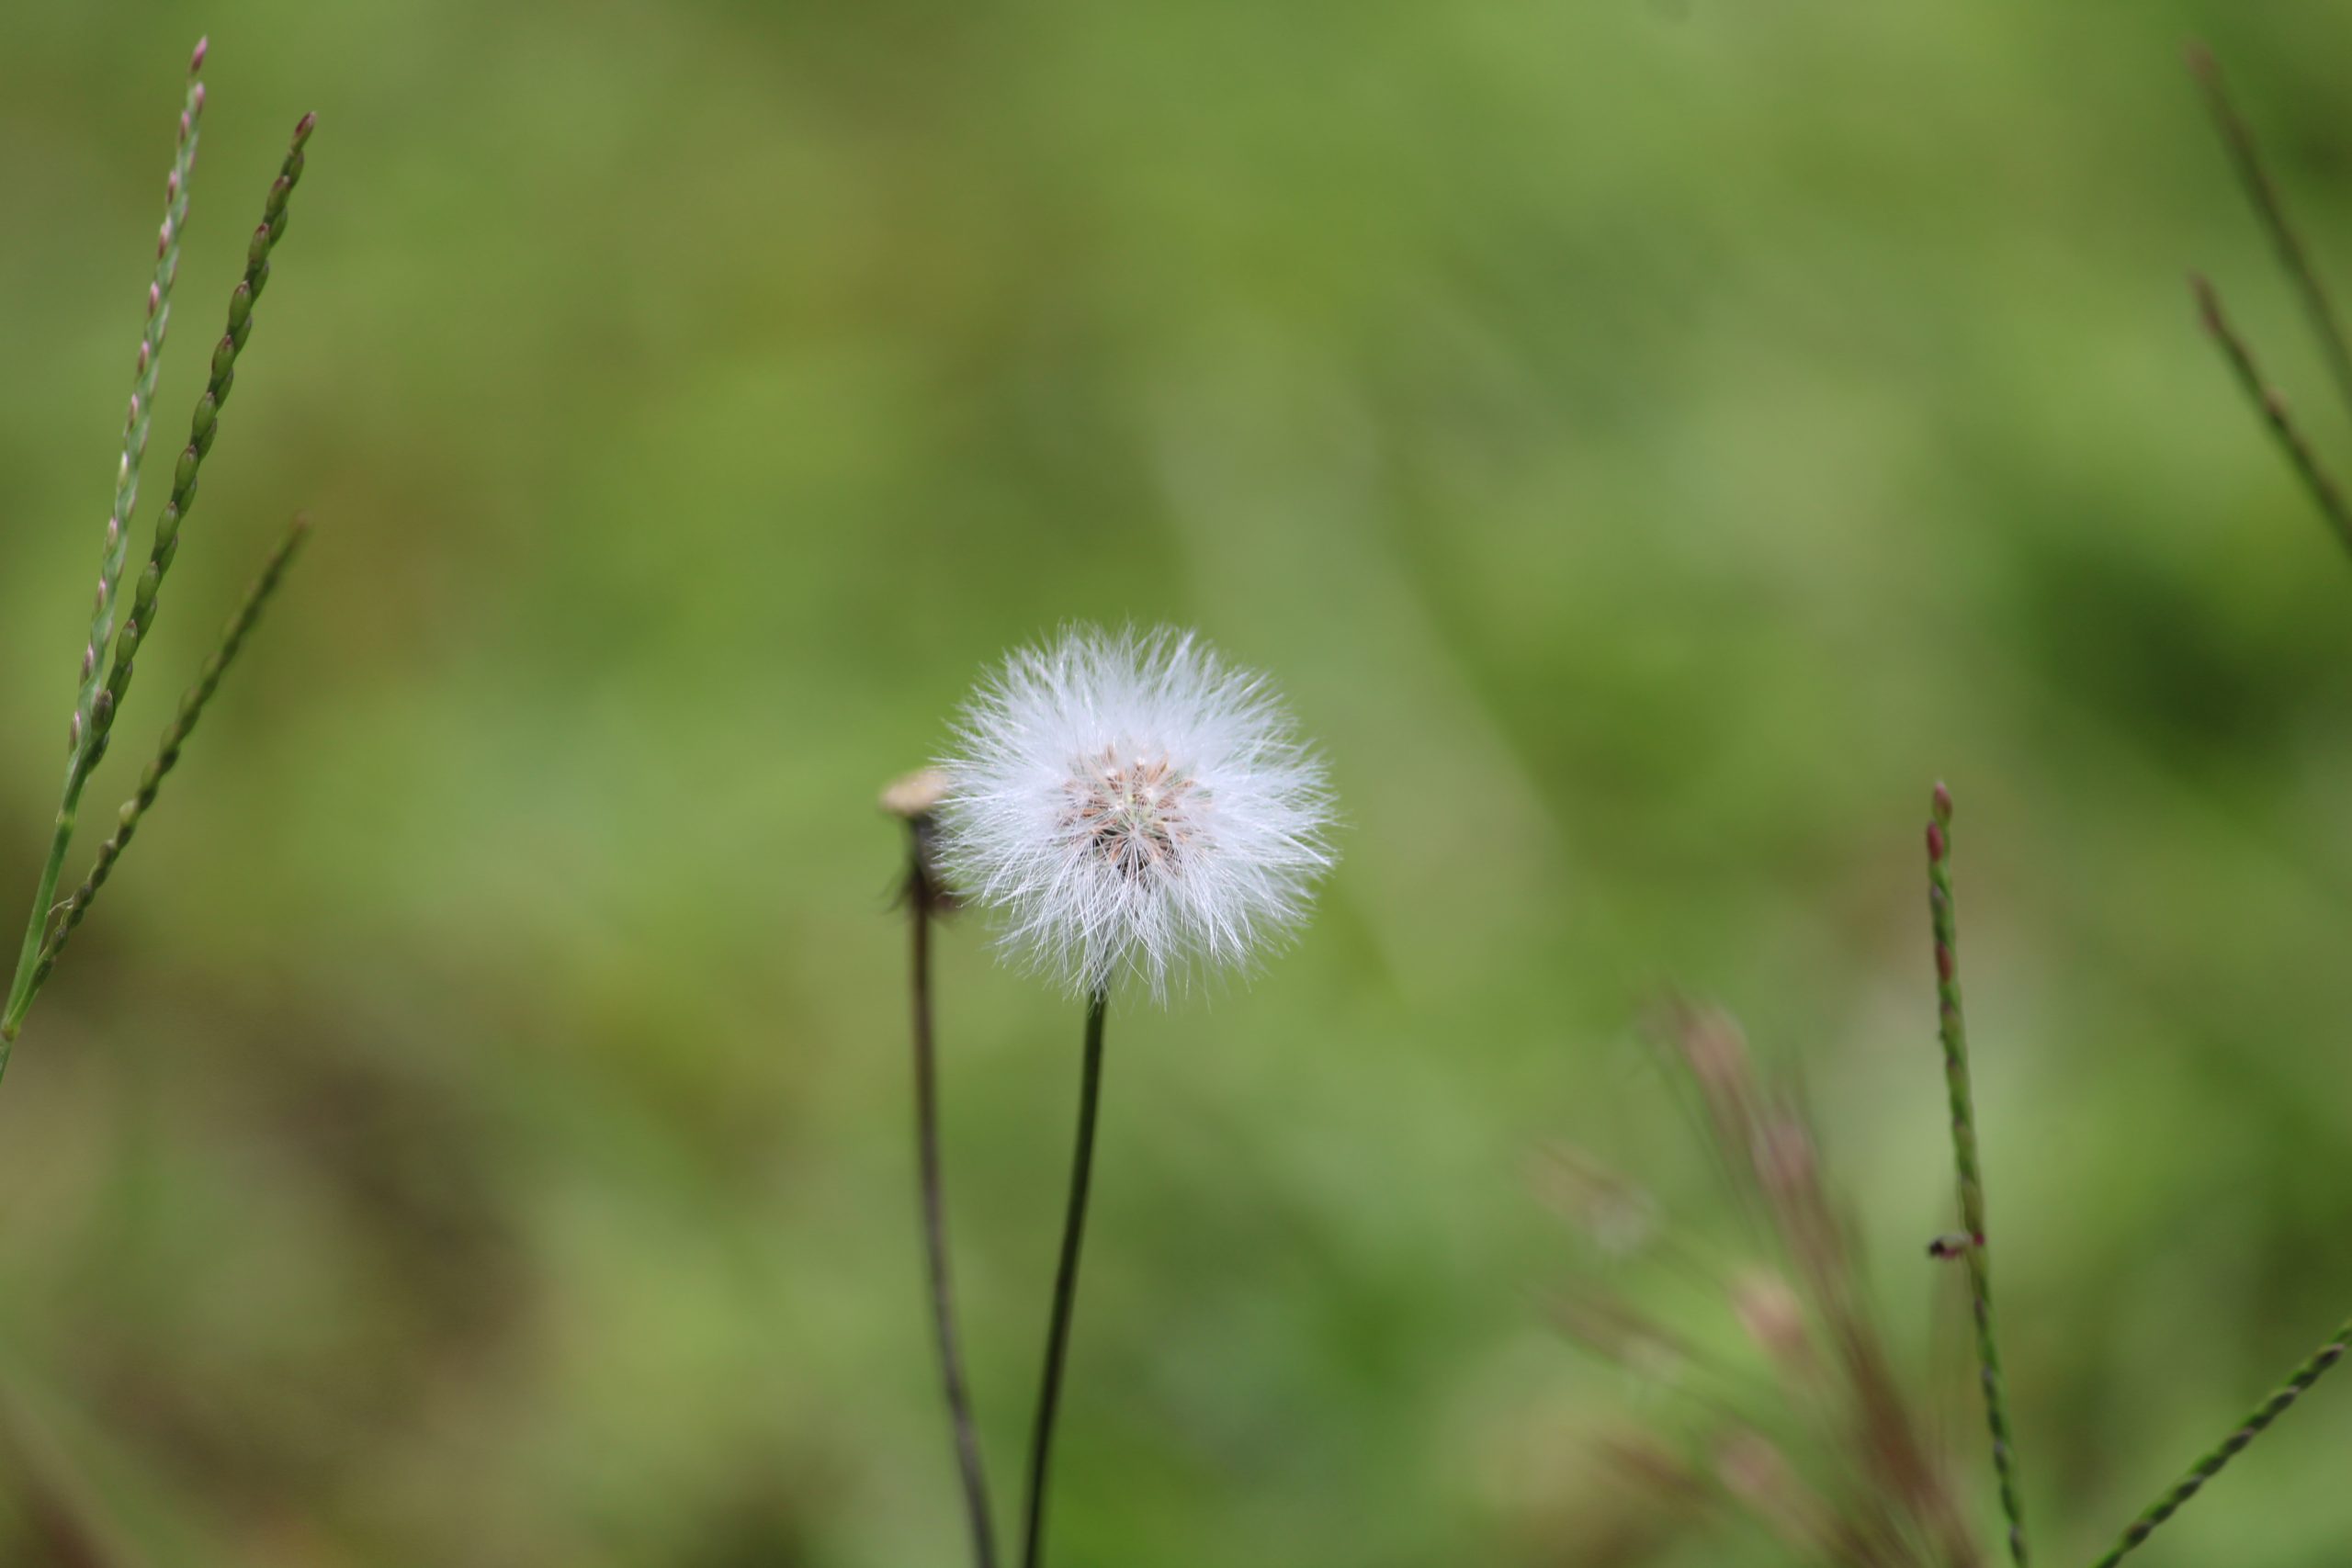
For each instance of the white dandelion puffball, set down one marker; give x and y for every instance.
(1131, 804)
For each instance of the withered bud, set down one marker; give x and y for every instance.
(917, 796)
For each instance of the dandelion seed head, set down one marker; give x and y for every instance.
(1130, 804)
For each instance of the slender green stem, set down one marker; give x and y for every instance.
(2245, 159)
(2272, 406)
(167, 752)
(89, 740)
(21, 995)
(204, 426)
(2206, 1468)
(86, 740)
(1041, 1442)
(923, 899)
(89, 729)
(1971, 1242)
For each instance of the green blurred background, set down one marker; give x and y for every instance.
(1649, 440)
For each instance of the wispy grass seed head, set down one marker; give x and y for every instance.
(1131, 804)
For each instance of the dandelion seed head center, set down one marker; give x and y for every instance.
(1137, 809)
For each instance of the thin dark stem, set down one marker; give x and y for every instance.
(2246, 160)
(2273, 408)
(921, 900)
(1969, 1178)
(1040, 1441)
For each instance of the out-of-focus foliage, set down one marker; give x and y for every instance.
(1650, 439)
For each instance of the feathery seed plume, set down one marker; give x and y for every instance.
(1132, 804)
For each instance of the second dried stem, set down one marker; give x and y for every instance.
(924, 898)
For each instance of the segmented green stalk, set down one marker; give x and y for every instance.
(134, 435)
(1954, 1031)
(85, 737)
(204, 425)
(2205, 1468)
(2246, 160)
(183, 724)
(2272, 406)
(91, 740)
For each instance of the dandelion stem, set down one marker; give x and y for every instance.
(2245, 159)
(2206, 1468)
(2272, 405)
(1041, 1442)
(1964, 1163)
(922, 898)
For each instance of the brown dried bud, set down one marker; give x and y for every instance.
(917, 796)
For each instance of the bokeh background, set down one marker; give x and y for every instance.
(1650, 441)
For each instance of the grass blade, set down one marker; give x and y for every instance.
(85, 740)
(90, 738)
(2208, 1467)
(168, 753)
(203, 427)
(2245, 159)
(2272, 405)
